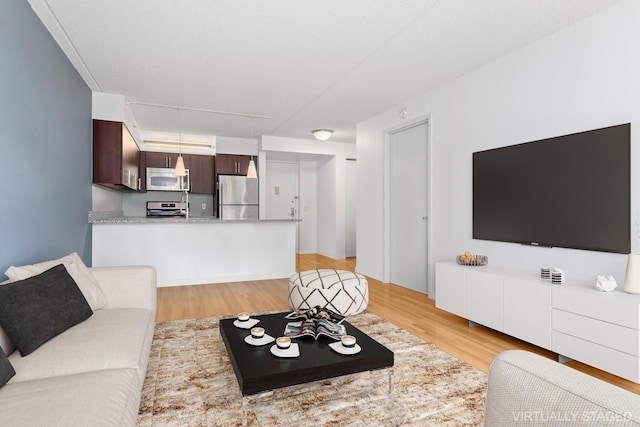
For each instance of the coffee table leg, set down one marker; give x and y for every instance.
(220, 345)
(244, 411)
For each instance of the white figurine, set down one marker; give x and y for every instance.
(605, 283)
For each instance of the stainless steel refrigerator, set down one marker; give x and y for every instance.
(237, 197)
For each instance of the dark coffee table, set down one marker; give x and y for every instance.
(257, 370)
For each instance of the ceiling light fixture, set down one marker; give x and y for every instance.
(251, 170)
(322, 134)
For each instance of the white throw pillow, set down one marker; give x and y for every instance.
(79, 272)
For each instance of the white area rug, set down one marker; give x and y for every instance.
(187, 385)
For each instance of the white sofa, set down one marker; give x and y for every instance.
(91, 374)
(525, 389)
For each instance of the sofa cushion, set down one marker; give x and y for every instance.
(5, 342)
(110, 339)
(34, 310)
(526, 389)
(81, 274)
(6, 346)
(6, 370)
(101, 398)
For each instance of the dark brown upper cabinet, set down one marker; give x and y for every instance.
(201, 173)
(116, 157)
(232, 164)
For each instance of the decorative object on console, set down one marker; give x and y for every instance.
(468, 259)
(545, 273)
(606, 283)
(632, 276)
(557, 276)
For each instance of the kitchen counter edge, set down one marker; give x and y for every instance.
(119, 218)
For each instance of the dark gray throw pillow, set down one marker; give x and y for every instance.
(6, 370)
(34, 310)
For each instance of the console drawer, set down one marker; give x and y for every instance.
(606, 334)
(614, 307)
(604, 358)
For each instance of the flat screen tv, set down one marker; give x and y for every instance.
(571, 191)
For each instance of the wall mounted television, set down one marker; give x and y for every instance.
(570, 191)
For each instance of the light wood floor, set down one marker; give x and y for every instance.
(407, 309)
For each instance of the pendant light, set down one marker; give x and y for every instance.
(180, 170)
(251, 171)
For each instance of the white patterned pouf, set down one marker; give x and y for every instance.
(343, 292)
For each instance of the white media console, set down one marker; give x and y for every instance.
(575, 320)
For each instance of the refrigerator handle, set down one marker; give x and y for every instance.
(219, 200)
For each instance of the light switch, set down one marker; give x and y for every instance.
(204, 206)
(276, 190)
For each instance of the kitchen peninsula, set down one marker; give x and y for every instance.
(197, 250)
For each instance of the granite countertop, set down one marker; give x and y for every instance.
(118, 217)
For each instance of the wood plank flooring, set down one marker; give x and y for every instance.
(408, 309)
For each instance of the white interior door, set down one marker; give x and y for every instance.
(351, 206)
(282, 191)
(408, 207)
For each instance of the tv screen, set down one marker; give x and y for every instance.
(571, 191)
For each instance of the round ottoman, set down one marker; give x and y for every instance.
(343, 292)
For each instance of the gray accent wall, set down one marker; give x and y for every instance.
(45, 145)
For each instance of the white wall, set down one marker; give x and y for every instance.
(308, 208)
(351, 207)
(105, 199)
(327, 208)
(230, 145)
(581, 78)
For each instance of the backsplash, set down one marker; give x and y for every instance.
(135, 204)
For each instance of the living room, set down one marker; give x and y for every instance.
(579, 78)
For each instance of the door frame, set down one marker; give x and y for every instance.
(296, 177)
(354, 205)
(386, 267)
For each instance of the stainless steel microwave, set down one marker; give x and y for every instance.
(165, 179)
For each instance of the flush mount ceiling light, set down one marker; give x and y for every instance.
(322, 134)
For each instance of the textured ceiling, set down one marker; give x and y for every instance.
(306, 64)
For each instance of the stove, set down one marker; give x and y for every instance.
(166, 209)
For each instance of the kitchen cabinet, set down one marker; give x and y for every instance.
(201, 172)
(160, 160)
(116, 157)
(232, 164)
(201, 169)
